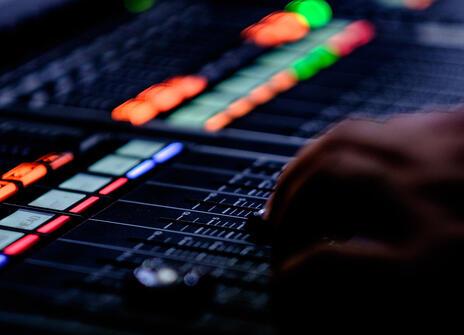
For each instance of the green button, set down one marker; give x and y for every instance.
(57, 200)
(140, 148)
(25, 219)
(8, 237)
(114, 165)
(85, 182)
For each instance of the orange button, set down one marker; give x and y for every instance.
(217, 122)
(56, 160)
(240, 108)
(26, 173)
(135, 111)
(7, 189)
(163, 97)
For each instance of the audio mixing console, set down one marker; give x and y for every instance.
(133, 153)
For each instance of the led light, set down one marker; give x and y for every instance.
(117, 184)
(139, 6)
(3, 261)
(218, 122)
(135, 111)
(317, 12)
(84, 205)
(276, 29)
(54, 224)
(7, 190)
(163, 97)
(141, 169)
(240, 108)
(21, 245)
(168, 152)
(57, 160)
(26, 173)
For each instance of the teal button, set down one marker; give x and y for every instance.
(25, 219)
(8, 237)
(85, 182)
(140, 148)
(57, 200)
(114, 165)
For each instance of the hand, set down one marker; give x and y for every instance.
(370, 210)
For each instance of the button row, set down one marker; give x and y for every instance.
(76, 194)
(276, 29)
(304, 67)
(26, 174)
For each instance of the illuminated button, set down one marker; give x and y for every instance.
(25, 219)
(168, 152)
(189, 86)
(317, 12)
(21, 245)
(114, 165)
(277, 28)
(283, 81)
(54, 224)
(140, 148)
(262, 94)
(26, 173)
(280, 58)
(239, 84)
(57, 160)
(240, 108)
(163, 97)
(7, 237)
(3, 261)
(135, 111)
(139, 6)
(85, 182)
(57, 200)
(218, 122)
(7, 189)
(141, 169)
(115, 185)
(84, 205)
(216, 99)
(263, 71)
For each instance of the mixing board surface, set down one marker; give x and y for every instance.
(133, 153)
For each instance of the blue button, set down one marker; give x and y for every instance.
(141, 169)
(168, 152)
(3, 261)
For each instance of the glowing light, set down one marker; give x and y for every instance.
(7, 190)
(168, 152)
(141, 169)
(117, 184)
(57, 160)
(54, 224)
(138, 6)
(26, 173)
(218, 122)
(135, 111)
(21, 245)
(84, 205)
(3, 261)
(316, 12)
(276, 29)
